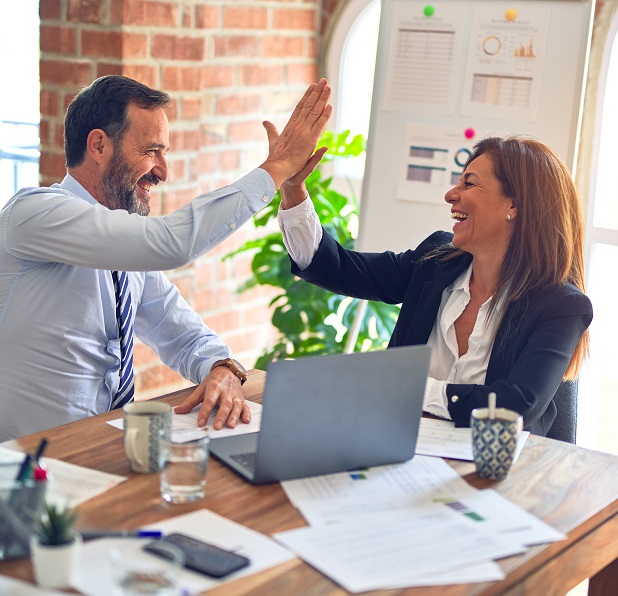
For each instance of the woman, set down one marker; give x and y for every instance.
(500, 300)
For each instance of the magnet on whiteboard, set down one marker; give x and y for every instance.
(469, 133)
(429, 10)
(510, 14)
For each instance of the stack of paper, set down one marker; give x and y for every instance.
(411, 524)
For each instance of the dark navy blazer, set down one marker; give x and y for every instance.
(533, 345)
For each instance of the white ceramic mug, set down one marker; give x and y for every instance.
(144, 424)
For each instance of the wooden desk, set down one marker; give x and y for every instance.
(573, 489)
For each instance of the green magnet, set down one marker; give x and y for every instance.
(429, 10)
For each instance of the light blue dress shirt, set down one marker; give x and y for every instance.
(59, 346)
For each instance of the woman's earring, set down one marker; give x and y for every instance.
(508, 217)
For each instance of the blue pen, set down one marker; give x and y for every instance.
(89, 534)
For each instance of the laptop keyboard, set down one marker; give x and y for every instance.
(246, 460)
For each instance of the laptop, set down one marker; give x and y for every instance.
(326, 414)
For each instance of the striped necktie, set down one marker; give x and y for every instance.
(124, 314)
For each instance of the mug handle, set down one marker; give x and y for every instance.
(130, 440)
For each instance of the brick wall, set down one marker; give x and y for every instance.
(228, 66)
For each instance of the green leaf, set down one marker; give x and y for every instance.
(311, 321)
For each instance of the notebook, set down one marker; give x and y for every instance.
(326, 414)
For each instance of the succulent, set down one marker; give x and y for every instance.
(54, 526)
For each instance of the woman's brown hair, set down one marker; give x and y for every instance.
(546, 248)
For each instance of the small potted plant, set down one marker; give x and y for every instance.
(55, 546)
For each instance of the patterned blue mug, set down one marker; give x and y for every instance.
(494, 441)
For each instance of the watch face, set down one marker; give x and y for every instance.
(240, 367)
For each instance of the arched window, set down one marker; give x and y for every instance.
(599, 381)
(350, 66)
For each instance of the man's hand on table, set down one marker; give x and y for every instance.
(221, 388)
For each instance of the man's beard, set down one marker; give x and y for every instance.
(120, 191)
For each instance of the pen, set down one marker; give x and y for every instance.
(39, 451)
(89, 534)
(24, 469)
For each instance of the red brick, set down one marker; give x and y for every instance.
(235, 45)
(243, 17)
(229, 160)
(282, 47)
(48, 102)
(207, 161)
(52, 164)
(256, 74)
(187, 17)
(49, 10)
(177, 170)
(207, 17)
(85, 11)
(143, 355)
(184, 283)
(134, 46)
(59, 134)
(245, 131)
(229, 105)
(59, 40)
(194, 79)
(212, 134)
(301, 73)
(223, 322)
(183, 140)
(103, 44)
(72, 73)
(44, 132)
(295, 18)
(154, 377)
(203, 271)
(191, 108)
(153, 14)
(178, 48)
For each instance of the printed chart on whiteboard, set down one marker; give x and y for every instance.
(505, 64)
(433, 160)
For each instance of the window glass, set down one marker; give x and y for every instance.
(606, 195)
(356, 69)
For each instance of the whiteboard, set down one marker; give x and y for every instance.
(444, 81)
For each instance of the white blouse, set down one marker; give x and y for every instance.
(302, 233)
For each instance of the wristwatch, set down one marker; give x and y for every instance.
(236, 367)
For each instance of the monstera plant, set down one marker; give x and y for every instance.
(312, 321)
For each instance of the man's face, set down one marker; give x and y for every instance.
(138, 162)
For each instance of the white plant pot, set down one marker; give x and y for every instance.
(54, 566)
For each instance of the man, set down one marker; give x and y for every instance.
(80, 269)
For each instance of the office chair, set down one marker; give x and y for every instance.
(564, 427)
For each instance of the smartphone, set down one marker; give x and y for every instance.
(201, 556)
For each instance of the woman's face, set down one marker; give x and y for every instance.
(481, 211)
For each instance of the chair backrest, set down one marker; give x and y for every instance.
(564, 427)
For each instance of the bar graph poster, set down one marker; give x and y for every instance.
(505, 61)
(433, 160)
(424, 52)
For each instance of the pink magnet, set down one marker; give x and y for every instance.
(469, 133)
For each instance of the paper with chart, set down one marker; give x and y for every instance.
(331, 497)
(418, 45)
(392, 549)
(505, 61)
(433, 160)
(185, 428)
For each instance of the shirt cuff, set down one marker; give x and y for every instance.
(435, 400)
(301, 231)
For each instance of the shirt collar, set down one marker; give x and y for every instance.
(462, 283)
(73, 186)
